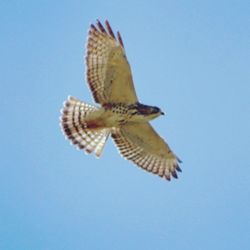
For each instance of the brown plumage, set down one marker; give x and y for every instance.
(121, 115)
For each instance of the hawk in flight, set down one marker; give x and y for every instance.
(120, 114)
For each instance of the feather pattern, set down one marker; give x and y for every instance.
(75, 128)
(142, 145)
(110, 80)
(108, 70)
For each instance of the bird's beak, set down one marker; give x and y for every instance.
(162, 113)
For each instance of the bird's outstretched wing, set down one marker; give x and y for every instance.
(142, 145)
(108, 71)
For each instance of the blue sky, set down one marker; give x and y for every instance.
(191, 58)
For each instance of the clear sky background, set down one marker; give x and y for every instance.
(192, 59)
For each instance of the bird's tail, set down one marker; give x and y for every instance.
(75, 127)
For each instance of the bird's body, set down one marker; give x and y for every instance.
(121, 114)
(118, 114)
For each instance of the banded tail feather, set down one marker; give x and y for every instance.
(75, 127)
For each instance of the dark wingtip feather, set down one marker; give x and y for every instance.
(110, 31)
(92, 27)
(101, 28)
(179, 160)
(178, 168)
(174, 174)
(120, 39)
(167, 177)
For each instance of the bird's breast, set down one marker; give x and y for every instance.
(119, 114)
(116, 114)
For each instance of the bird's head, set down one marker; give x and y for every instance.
(149, 112)
(154, 112)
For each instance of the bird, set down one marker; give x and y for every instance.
(119, 114)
